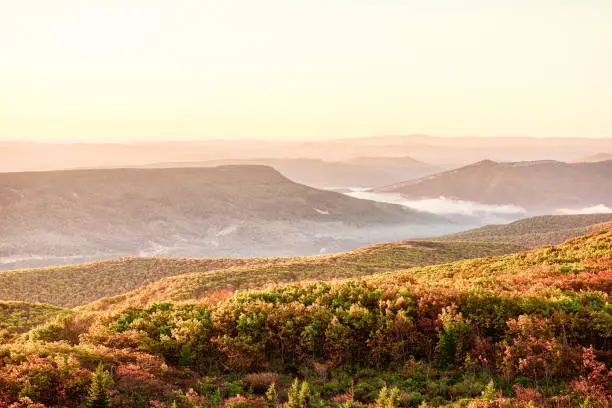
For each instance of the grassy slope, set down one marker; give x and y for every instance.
(74, 285)
(361, 262)
(517, 274)
(537, 231)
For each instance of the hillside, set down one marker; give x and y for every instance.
(527, 329)
(539, 187)
(362, 262)
(75, 285)
(65, 217)
(536, 231)
(19, 317)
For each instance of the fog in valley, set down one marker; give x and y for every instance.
(458, 210)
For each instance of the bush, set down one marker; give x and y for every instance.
(260, 382)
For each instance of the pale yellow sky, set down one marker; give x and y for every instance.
(271, 69)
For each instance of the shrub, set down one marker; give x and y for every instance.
(260, 382)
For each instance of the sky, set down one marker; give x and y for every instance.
(123, 70)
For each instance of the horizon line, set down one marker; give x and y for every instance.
(262, 140)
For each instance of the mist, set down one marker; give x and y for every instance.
(465, 210)
(596, 209)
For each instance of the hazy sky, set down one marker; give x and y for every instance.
(178, 69)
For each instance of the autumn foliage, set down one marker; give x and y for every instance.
(530, 329)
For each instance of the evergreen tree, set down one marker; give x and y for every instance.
(489, 393)
(186, 356)
(26, 390)
(294, 395)
(300, 396)
(305, 395)
(98, 391)
(271, 396)
(388, 398)
(382, 397)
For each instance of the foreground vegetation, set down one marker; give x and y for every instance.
(74, 285)
(537, 231)
(529, 329)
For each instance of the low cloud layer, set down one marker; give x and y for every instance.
(444, 206)
(596, 209)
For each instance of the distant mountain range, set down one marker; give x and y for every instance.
(595, 158)
(440, 151)
(539, 187)
(72, 216)
(357, 172)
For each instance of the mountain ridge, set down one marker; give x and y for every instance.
(538, 186)
(222, 211)
(440, 151)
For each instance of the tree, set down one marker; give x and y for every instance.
(186, 356)
(294, 395)
(452, 336)
(305, 394)
(489, 393)
(388, 398)
(300, 396)
(26, 391)
(271, 396)
(98, 390)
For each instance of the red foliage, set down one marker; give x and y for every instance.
(430, 305)
(596, 384)
(50, 381)
(600, 281)
(531, 349)
(26, 402)
(132, 379)
(526, 394)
